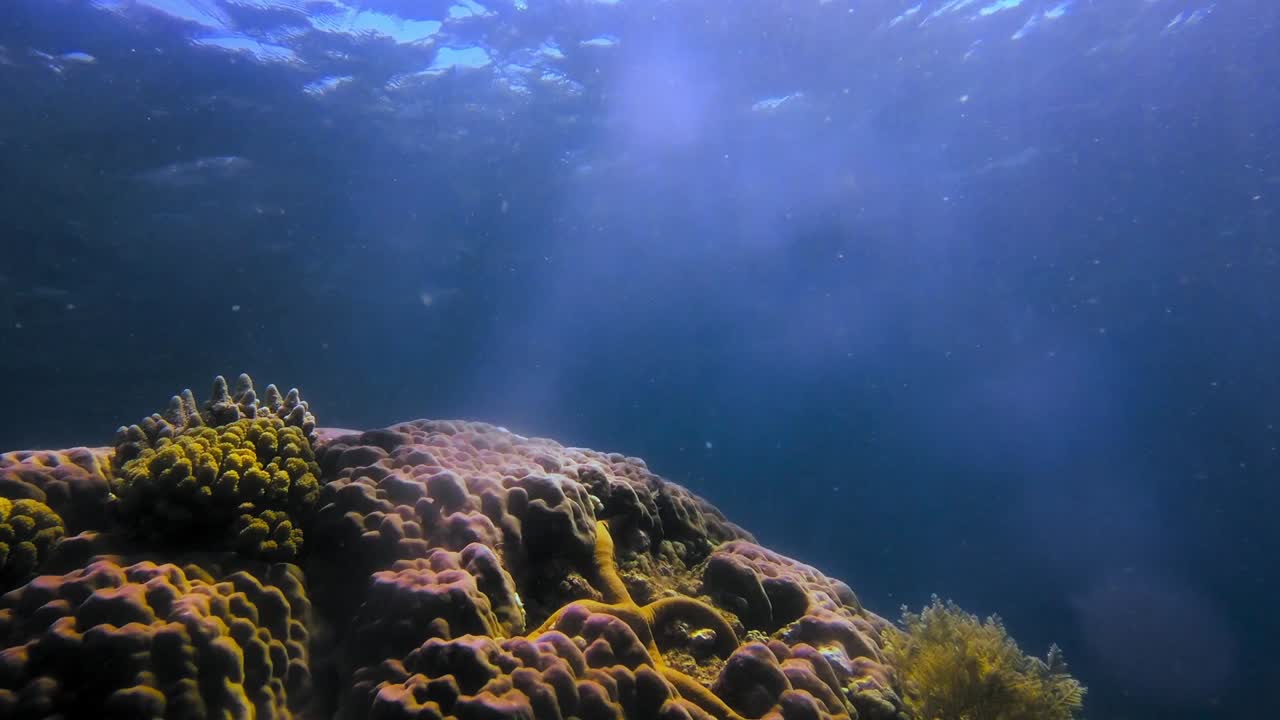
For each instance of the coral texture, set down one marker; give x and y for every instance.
(449, 570)
(152, 641)
(813, 616)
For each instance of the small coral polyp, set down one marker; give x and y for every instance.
(450, 570)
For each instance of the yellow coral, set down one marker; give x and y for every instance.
(252, 478)
(956, 667)
(270, 535)
(28, 531)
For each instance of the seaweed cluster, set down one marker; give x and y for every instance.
(232, 560)
(957, 667)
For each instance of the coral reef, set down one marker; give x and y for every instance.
(955, 666)
(234, 560)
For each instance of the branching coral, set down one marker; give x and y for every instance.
(253, 477)
(956, 667)
(225, 406)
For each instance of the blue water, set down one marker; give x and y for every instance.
(967, 297)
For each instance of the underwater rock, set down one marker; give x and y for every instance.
(450, 570)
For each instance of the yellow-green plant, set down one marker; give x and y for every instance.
(954, 666)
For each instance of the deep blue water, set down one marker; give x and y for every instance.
(968, 298)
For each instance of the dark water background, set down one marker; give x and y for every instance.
(985, 316)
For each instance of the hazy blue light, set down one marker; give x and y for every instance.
(1057, 11)
(467, 8)
(906, 14)
(601, 41)
(466, 57)
(998, 6)
(360, 21)
(239, 43)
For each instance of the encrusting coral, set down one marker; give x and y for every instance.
(233, 560)
(956, 667)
